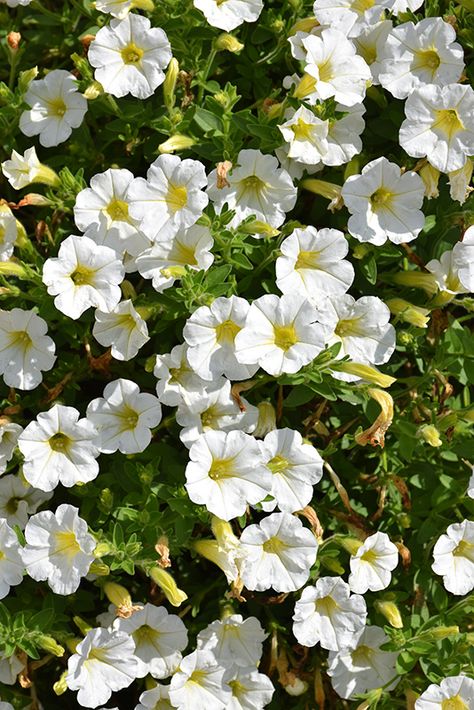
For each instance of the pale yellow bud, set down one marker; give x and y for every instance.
(256, 226)
(408, 312)
(350, 544)
(365, 372)
(390, 611)
(416, 279)
(459, 182)
(46, 176)
(176, 142)
(228, 43)
(49, 644)
(13, 268)
(118, 595)
(430, 177)
(100, 569)
(102, 549)
(305, 25)
(266, 419)
(93, 91)
(326, 189)
(60, 687)
(166, 582)
(169, 84)
(146, 5)
(430, 434)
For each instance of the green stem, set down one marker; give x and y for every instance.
(205, 75)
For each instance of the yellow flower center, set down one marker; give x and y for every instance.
(284, 336)
(3, 232)
(326, 606)
(66, 544)
(237, 688)
(57, 107)
(465, 549)
(427, 59)
(346, 327)
(208, 418)
(362, 655)
(226, 332)
(184, 254)
(253, 183)
(380, 198)
(126, 321)
(60, 442)
(21, 339)
(145, 634)
(129, 418)
(118, 211)
(81, 276)
(278, 464)
(12, 505)
(220, 469)
(307, 260)
(131, 54)
(448, 122)
(454, 703)
(302, 130)
(273, 546)
(361, 6)
(369, 556)
(176, 197)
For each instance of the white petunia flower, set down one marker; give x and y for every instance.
(25, 349)
(199, 683)
(305, 134)
(103, 663)
(277, 553)
(18, 500)
(234, 641)
(176, 378)
(453, 693)
(116, 8)
(295, 466)
(366, 667)
(129, 56)
(104, 206)
(83, 275)
(251, 690)
(56, 107)
(166, 260)
(312, 262)
(344, 134)
(257, 186)
(170, 199)
(363, 329)
(373, 563)
(460, 182)
(8, 232)
(224, 551)
(417, 54)
(384, 203)
(337, 70)
(214, 408)
(229, 14)
(159, 639)
(158, 698)
(225, 472)
(401, 6)
(454, 557)
(350, 16)
(9, 669)
(21, 170)
(11, 565)
(328, 614)
(211, 332)
(123, 329)
(280, 334)
(454, 272)
(59, 448)
(123, 417)
(9, 433)
(15, 3)
(58, 548)
(370, 45)
(438, 125)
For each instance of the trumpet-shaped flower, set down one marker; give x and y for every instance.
(21, 170)
(454, 272)
(438, 125)
(58, 548)
(159, 639)
(454, 557)
(8, 232)
(251, 690)
(56, 107)
(225, 472)
(229, 14)
(25, 349)
(453, 693)
(417, 54)
(337, 70)
(312, 262)
(157, 698)
(105, 207)
(123, 417)
(59, 448)
(328, 614)
(214, 409)
(123, 329)
(384, 203)
(170, 199)
(166, 260)
(103, 663)
(211, 333)
(257, 186)
(370, 45)
(11, 565)
(350, 16)
(306, 135)
(176, 378)
(354, 671)
(199, 683)
(234, 641)
(373, 563)
(278, 553)
(280, 334)
(129, 56)
(83, 275)
(18, 500)
(295, 466)
(9, 433)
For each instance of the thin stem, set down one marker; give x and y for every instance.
(205, 75)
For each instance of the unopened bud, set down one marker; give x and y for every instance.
(176, 142)
(390, 611)
(118, 595)
(102, 549)
(326, 189)
(60, 687)
(459, 182)
(408, 312)
(438, 634)
(25, 78)
(332, 564)
(430, 177)
(350, 544)
(46, 176)
(430, 434)
(305, 25)
(82, 625)
(365, 372)
(146, 5)
(173, 272)
(48, 643)
(34, 199)
(13, 268)
(166, 582)
(93, 91)
(169, 84)
(256, 226)
(266, 420)
(416, 279)
(13, 41)
(100, 569)
(273, 109)
(228, 43)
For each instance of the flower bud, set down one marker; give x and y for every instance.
(25, 78)
(173, 272)
(416, 279)
(166, 582)
(438, 634)
(93, 91)
(459, 182)
(102, 549)
(72, 644)
(304, 25)
(408, 312)
(118, 595)
(365, 372)
(146, 5)
(228, 42)
(82, 625)
(100, 569)
(266, 419)
(430, 177)
(60, 687)
(33, 199)
(176, 142)
(390, 611)
(332, 564)
(273, 109)
(430, 434)
(169, 84)
(326, 189)
(351, 544)
(48, 643)
(256, 226)
(13, 268)
(46, 176)
(13, 41)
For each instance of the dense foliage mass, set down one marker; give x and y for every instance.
(236, 253)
